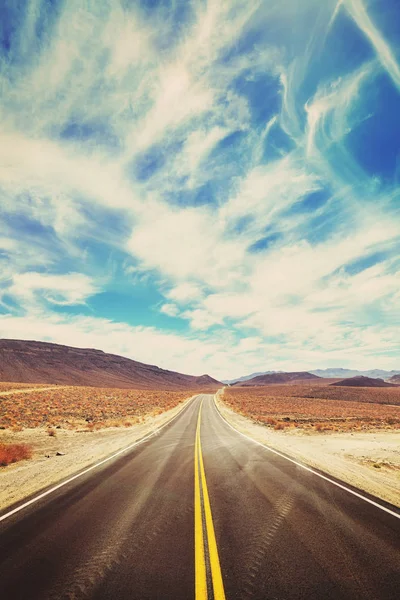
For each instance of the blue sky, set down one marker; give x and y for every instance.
(205, 186)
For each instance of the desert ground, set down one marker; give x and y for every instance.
(6, 387)
(78, 407)
(355, 441)
(318, 406)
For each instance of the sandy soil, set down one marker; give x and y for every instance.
(367, 460)
(29, 390)
(80, 449)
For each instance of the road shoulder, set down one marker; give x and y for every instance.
(369, 461)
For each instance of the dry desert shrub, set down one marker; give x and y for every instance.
(279, 426)
(11, 453)
(323, 391)
(85, 407)
(306, 407)
(16, 428)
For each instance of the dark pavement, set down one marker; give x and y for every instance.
(126, 530)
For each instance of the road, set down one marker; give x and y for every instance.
(199, 512)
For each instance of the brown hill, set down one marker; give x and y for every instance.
(394, 379)
(361, 381)
(41, 362)
(277, 378)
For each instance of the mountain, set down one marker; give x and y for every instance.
(41, 362)
(361, 381)
(394, 379)
(337, 373)
(246, 377)
(277, 378)
(333, 373)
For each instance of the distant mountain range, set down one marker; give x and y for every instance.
(41, 362)
(344, 373)
(270, 378)
(246, 377)
(333, 373)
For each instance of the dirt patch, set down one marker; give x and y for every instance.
(30, 390)
(6, 386)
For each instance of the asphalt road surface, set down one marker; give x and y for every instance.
(199, 512)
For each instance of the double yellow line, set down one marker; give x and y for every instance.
(202, 504)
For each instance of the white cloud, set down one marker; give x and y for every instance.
(186, 244)
(358, 11)
(303, 293)
(185, 292)
(269, 189)
(132, 46)
(198, 146)
(179, 99)
(72, 288)
(49, 167)
(170, 309)
(146, 344)
(331, 116)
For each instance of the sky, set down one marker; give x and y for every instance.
(208, 186)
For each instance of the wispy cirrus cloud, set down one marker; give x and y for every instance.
(209, 163)
(359, 12)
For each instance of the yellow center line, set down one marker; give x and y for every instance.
(200, 563)
(216, 575)
(218, 586)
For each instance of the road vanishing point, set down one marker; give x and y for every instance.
(198, 511)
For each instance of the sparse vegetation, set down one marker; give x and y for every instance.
(83, 408)
(11, 453)
(319, 408)
(279, 426)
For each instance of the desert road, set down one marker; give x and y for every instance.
(198, 511)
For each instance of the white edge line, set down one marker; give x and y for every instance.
(102, 462)
(339, 485)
